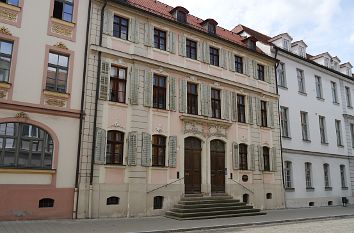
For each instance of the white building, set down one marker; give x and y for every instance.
(316, 115)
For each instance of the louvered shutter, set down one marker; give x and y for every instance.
(205, 99)
(146, 150)
(260, 158)
(147, 34)
(136, 36)
(231, 61)
(172, 93)
(108, 22)
(148, 89)
(134, 86)
(252, 157)
(246, 66)
(258, 112)
(273, 156)
(254, 68)
(181, 45)
(172, 42)
(270, 114)
(223, 58)
(100, 147)
(104, 79)
(151, 35)
(206, 52)
(200, 51)
(267, 74)
(131, 30)
(250, 109)
(183, 96)
(235, 155)
(234, 106)
(272, 75)
(132, 148)
(226, 105)
(172, 151)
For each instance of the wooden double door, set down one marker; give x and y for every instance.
(192, 165)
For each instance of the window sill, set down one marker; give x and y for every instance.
(216, 67)
(5, 85)
(205, 119)
(336, 103)
(159, 168)
(340, 146)
(311, 189)
(27, 171)
(286, 137)
(320, 99)
(160, 51)
(302, 93)
(10, 7)
(60, 95)
(193, 60)
(117, 104)
(160, 110)
(121, 40)
(350, 107)
(114, 166)
(282, 87)
(345, 188)
(306, 140)
(289, 189)
(328, 188)
(63, 22)
(325, 143)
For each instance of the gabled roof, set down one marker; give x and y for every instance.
(321, 55)
(259, 36)
(346, 64)
(298, 42)
(336, 58)
(279, 36)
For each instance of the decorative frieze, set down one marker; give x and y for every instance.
(22, 115)
(56, 99)
(4, 89)
(9, 13)
(56, 102)
(5, 31)
(205, 127)
(62, 29)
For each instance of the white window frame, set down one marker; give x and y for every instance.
(338, 127)
(308, 175)
(348, 97)
(284, 118)
(281, 75)
(301, 81)
(319, 90)
(343, 177)
(334, 92)
(288, 174)
(322, 124)
(327, 176)
(304, 126)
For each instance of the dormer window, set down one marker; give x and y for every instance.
(251, 44)
(211, 28)
(326, 62)
(349, 72)
(286, 44)
(301, 51)
(181, 17)
(210, 25)
(335, 65)
(180, 14)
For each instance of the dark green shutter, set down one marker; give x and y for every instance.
(172, 151)
(183, 96)
(132, 148)
(148, 89)
(100, 147)
(146, 150)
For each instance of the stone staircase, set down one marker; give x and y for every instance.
(199, 207)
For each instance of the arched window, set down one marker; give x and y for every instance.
(25, 146)
(115, 145)
(243, 157)
(113, 201)
(266, 158)
(46, 203)
(158, 150)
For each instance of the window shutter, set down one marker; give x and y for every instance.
(108, 22)
(181, 45)
(205, 100)
(206, 52)
(250, 109)
(260, 158)
(252, 155)
(172, 93)
(254, 67)
(270, 114)
(132, 148)
(104, 79)
(183, 96)
(148, 89)
(225, 105)
(234, 106)
(231, 62)
(134, 86)
(131, 30)
(246, 66)
(273, 156)
(147, 34)
(136, 35)
(258, 111)
(146, 150)
(172, 151)
(267, 74)
(100, 147)
(172, 42)
(235, 155)
(151, 35)
(223, 58)
(199, 51)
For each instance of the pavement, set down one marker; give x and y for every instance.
(162, 224)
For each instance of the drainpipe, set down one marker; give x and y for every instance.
(280, 139)
(76, 192)
(93, 152)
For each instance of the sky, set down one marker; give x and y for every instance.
(324, 25)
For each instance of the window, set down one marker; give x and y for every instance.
(263, 113)
(343, 179)
(211, 28)
(112, 201)
(120, 27)
(158, 150)
(63, 9)
(191, 49)
(245, 198)
(284, 120)
(192, 98)
(281, 75)
(159, 99)
(260, 72)
(46, 203)
(301, 80)
(215, 103)
(115, 146)
(302, 51)
(334, 92)
(243, 157)
(269, 196)
(352, 133)
(239, 64)
(348, 97)
(25, 146)
(286, 44)
(181, 17)
(326, 62)
(57, 74)
(158, 202)
(323, 129)
(288, 175)
(266, 160)
(304, 126)
(159, 39)
(5, 60)
(338, 132)
(326, 175)
(214, 56)
(318, 80)
(349, 72)
(308, 175)
(118, 84)
(241, 109)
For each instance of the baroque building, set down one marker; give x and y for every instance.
(174, 105)
(42, 47)
(316, 114)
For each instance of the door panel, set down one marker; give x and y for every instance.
(217, 164)
(192, 165)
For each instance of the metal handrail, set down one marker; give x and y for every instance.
(242, 185)
(164, 186)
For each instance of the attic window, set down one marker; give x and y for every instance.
(181, 16)
(301, 51)
(211, 28)
(251, 44)
(326, 62)
(286, 44)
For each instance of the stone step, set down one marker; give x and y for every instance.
(216, 216)
(223, 197)
(207, 209)
(209, 205)
(208, 201)
(211, 213)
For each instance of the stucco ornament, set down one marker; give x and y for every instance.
(61, 45)
(8, 15)
(217, 131)
(193, 128)
(5, 30)
(56, 102)
(3, 94)
(22, 115)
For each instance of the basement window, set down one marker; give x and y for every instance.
(158, 202)
(245, 198)
(113, 201)
(330, 203)
(46, 203)
(269, 196)
(63, 9)
(311, 203)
